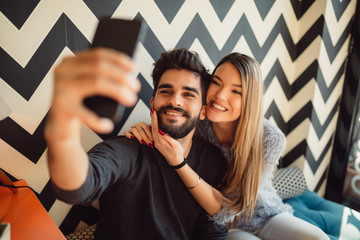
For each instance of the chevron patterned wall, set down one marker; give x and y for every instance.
(301, 46)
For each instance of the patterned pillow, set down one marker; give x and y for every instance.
(85, 233)
(289, 182)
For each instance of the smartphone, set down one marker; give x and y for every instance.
(121, 35)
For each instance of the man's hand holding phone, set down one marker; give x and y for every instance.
(94, 86)
(97, 71)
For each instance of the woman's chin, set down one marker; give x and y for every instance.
(213, 117)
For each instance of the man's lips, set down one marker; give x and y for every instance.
(173, 113)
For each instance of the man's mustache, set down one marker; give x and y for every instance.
(169, 107)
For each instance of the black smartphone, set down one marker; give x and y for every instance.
(121, 35)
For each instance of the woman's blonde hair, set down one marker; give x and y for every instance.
(245, 167)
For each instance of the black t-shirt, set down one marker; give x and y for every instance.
(142, 197)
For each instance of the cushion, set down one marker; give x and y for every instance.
(336, 220)
(289, 182)
(85, 233)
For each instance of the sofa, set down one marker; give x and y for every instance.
(336, 220)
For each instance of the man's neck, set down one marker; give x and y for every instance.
(186, 142)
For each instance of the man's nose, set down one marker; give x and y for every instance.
(176, 100)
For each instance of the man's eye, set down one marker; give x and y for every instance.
(165, 91)
(189, 95)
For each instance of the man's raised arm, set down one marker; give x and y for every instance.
(93, 72)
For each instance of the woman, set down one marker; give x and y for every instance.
(248, 200)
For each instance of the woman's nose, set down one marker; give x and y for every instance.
(221, 94)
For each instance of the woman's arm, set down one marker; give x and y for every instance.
(205, 194)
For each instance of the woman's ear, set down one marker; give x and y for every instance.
(203, 113)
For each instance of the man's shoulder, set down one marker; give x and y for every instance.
(209, 150)
(211, 164)
(117, 143)
(202, 144)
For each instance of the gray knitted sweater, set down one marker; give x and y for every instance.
(268, 203)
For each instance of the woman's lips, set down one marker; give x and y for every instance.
(217, 106)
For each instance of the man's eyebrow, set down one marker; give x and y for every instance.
(235, 85)
(191, 89)
(165, 85)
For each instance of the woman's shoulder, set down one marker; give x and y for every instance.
(274, 142)
(272, 130)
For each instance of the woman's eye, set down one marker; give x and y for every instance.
(214, 82)
(236, 92)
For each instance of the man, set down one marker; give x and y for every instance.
(141, 196)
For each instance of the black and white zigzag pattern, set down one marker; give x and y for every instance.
(300, 45)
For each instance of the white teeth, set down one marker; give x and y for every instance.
(173, 114)
(218, 107)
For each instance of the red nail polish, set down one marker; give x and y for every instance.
(143, 142)
(150, 145)
(151, 110)
(132, 137)
(161, 132)
(153, 143)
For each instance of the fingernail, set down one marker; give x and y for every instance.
(153, 143)
(143, 142)
(151, 110)
(161, 132)
(106, 124)
(132, 137)
(150, 145)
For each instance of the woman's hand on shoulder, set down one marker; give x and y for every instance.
(152, 136)
(142, 132)
(170, 148)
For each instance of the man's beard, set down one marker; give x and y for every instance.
(181, 131)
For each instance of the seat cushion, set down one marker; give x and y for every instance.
(85, 233)
(334, 219)
(289, 182)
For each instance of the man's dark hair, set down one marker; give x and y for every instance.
(179, 59)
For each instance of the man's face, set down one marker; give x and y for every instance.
(178, 102)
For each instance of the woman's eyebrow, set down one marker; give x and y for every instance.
(217, 77)
(235, 85)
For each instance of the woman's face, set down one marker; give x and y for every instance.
(224, 95)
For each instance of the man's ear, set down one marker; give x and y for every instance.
(203, 113)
